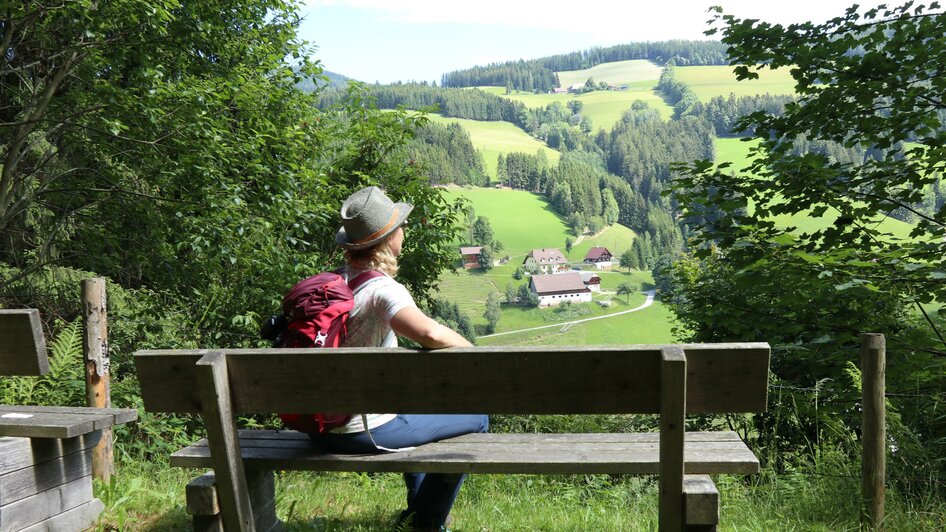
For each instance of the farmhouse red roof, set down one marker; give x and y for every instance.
(548, 256)
(557, 283)
(596, 253)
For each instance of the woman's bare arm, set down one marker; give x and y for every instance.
(410, 322)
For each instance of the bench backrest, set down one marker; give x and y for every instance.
(22, 345)
(497, 380)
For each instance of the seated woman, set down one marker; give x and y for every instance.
(372, 235)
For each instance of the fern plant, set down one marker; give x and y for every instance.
(63, 384)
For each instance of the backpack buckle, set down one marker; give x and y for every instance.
(320, 338)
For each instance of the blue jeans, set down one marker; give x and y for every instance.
(429, 496)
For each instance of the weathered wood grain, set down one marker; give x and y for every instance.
(498, 453)
(22, 345)
(118, 415)
(78, 518)
(503, 380)
(218, 415)
(17, 453)
(49, 424)
(44, 505)
(201, 495)
(701, 501)
(43, 476)
(673, 403)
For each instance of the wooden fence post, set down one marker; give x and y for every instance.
(874, 431)
(97, 385)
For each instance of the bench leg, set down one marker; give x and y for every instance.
(204, 507)
(700, 503)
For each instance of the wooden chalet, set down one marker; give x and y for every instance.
(471, 256)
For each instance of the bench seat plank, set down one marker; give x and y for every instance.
(706, 453)
(49, 425)
(118, 415)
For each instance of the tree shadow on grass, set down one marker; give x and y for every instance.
(176, 519)
(364, 523)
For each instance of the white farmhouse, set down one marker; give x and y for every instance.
(553, 289)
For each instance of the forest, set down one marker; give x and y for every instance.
(177, 150)
(538, 75)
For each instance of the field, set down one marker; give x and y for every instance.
(493, 138)
(523, 221)
(604, 108)
(615, 73)
(737, 152)
(710, 81)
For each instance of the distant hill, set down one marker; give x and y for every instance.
(334, 80)
(540, 74)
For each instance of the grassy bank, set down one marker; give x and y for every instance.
(150, 497)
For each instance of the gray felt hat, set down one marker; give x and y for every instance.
(368, 217)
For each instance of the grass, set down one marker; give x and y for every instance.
(521, 220)
(615, 73)
(737, 152)
(493, 138)
(813, 498)
(603, 108)
(709, 81)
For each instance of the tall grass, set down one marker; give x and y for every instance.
(150, 497)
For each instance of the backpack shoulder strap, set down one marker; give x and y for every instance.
(362, 278)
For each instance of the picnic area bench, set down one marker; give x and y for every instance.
(669, 380)
(45, 451)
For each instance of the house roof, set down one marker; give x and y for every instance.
(558, 283)
(590, 277)
(596, 253)
(547, 256)
(471, 250)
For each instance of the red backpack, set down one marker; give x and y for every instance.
(315, 314)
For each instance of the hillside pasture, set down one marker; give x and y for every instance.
(709, 81)
(493, 138)
(614, 73)
(521, 220)
(604, 108)
(616, 238)
(736, 151)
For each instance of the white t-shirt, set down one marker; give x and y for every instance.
(369, 325)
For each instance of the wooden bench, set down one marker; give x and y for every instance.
(45, 451)
(670, 380)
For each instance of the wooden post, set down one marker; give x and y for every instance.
(874, 432)
(673, 386)
(97, 385)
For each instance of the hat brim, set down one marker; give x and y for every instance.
(403, 210)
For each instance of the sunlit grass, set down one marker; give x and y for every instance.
(709, 81)
(493, 138)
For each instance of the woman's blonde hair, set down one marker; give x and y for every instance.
(378, 257)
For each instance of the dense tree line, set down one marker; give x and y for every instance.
(723, 113)
(446, 154)
(641, 148)
(459, 103)
(878, 90)
(539, 74)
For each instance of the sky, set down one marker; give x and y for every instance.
(419, 40)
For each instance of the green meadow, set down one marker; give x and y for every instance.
(735, 151)
(523, 221)
(493, 138)
(604, 108)
(710, 81)
(615, 73)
